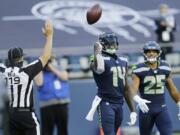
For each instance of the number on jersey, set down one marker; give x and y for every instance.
(156, 84)
(118, 73)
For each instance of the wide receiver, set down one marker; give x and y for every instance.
(110, 75)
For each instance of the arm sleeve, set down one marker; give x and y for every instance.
(98, 66)
(33, 68)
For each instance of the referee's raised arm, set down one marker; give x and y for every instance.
(48, 32)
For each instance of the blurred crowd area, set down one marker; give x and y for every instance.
(78, 66)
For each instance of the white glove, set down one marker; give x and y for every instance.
(178, 104)
(133, 118)
(142, 103)
(97, 48)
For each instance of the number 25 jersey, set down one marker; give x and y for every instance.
(152, 81)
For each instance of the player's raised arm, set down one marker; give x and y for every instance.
(48, 32)
(98, 63)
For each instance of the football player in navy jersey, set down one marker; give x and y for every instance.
(150, 78)
(110, 75)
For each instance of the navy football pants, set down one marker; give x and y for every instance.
(110, 117)
(158, 116)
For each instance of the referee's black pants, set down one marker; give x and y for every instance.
(23, 122)
(54, 115)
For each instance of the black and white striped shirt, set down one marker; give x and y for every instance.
(20, 83)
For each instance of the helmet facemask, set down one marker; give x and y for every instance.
(112, 48)
(109, 42)
(152, 59)
(154, 48)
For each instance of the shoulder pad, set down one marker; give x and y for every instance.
(164, 63)
(140, 68)
(123, 58)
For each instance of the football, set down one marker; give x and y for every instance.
(93, 14)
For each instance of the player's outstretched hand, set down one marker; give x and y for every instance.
(48, 28)
(133, 118)
(142, 103)
(97, 48)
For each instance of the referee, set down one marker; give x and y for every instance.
(22, 119)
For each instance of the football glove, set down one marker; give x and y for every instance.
(142, 103)
(133, 118)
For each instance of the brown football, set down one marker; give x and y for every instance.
(93, 14)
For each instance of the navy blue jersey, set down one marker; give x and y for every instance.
(111, 82)
(152, 81)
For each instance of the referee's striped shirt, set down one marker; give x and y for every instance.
(20, 84)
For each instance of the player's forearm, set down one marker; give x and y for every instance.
(135, 96)
(129, 100)
(173, 90)
(134, 90)
(130, 103)
(175, 95)
(99, 63)
(98, 60)
(134, 87)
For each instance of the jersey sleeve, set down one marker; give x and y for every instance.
(125, 60)
(139, 69)
(33, 68)
(135, 69)
(127, 65)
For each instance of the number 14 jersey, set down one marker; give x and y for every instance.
(111, 83)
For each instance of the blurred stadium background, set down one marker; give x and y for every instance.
(21, 22)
